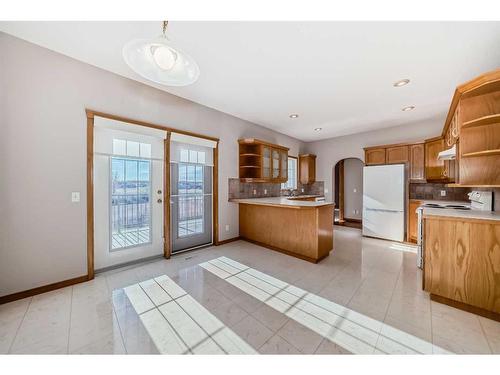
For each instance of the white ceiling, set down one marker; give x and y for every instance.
(335, 75)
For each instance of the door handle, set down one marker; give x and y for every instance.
(382, 210)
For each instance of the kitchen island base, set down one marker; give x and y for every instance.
(302, 232)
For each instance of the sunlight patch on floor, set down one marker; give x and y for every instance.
(178, 324)
(347, 328)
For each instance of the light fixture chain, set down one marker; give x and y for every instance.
(165, 24)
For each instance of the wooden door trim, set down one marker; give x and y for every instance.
(90, 198)
(341, 191)
(91, 113)
(166, 207)
(215, 196)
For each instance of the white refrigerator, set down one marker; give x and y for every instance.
(384, 201)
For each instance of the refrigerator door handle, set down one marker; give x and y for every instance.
(382, 210)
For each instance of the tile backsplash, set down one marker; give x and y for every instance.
(433, 191)
(316, 188)
(241, 190)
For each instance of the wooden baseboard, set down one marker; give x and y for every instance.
(279, 250)
(469, 308)
(352, 220)
(227, 241)
(42, 289)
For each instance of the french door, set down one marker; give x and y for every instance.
(191, 175)
(128, 196)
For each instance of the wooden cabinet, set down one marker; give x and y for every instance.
(473, 123)
(262, 162)
(411, 154)
(413, 220)
(307, 168)
(417, 162)
(434, 168)
(461, 261)
(396, 155)
(375, 156)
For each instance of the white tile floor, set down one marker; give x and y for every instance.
(373, 286)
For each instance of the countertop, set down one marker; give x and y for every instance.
(281, 201)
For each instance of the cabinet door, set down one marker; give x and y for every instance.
(266, 162)
(413, 220)
(284, 166)
(434, 168)
(375, 156)
(307, 169)
(275, 163)
(395, 155)
(417, 162)
(447, 257)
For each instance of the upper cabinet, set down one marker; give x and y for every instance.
(434, 168)
(412, 155)
(474, 118)
(262, 161)
(396, 154)
(417, 162)
(375, 155)
(307, 168)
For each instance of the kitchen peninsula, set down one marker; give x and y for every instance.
(300, 228)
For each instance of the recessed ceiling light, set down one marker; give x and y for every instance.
(401, 82)
(317, 129)
(294, 115)
(409, 108)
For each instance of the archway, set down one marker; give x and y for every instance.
(348, 192)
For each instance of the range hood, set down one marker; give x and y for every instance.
(449, 154)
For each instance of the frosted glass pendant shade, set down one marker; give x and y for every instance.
(158, 61)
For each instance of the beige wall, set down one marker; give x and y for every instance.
(353, 188)
(43, 155)
(330, 151)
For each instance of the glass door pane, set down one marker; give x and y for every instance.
(284, 165)
(191, 201)
(130, 202)
(276, 163)
(266, 162)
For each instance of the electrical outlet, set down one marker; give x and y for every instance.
(75, 196)
(227, 227)
(302, 190)
(265, 191)
(443, 193)
(254, 192)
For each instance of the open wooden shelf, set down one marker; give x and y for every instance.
(249, 166)
(485, 120)
(250, 154)
(482, 153)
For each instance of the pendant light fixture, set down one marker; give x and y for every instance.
(159, 61)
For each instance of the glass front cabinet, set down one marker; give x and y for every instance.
(260, 161)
